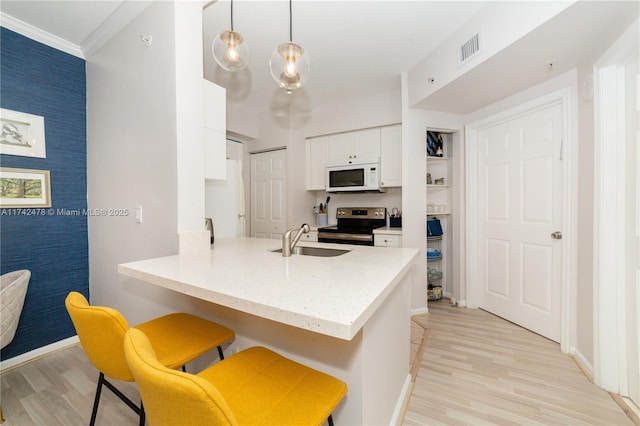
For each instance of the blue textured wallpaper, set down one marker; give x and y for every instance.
(40, 80)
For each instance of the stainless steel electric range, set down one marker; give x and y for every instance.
(355, 225)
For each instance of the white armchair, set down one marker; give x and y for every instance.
(13, 289)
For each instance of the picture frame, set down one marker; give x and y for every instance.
(24, 188)
(22, 134)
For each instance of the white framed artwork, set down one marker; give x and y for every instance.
(22, 134)
(24, 188)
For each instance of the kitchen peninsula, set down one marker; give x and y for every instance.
(347, 315)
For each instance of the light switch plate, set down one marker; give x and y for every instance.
(138, 214)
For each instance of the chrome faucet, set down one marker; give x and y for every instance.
(287, 244)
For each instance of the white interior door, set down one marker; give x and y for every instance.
(520, 207)
(268, 194)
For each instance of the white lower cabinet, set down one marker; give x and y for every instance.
(387, 237)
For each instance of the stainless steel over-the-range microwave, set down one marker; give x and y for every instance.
(354, 175)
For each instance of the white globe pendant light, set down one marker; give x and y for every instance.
(290, 63)
(230, 50)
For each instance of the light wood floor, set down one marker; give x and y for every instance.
(471, 368)
(58, 389)
(478, 369)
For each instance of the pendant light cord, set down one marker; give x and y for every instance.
(290, 23)
(231, 15)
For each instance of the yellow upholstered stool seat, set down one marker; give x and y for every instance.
(177, 339)
(180, 338)
(254, 387)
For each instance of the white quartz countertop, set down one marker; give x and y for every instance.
(328, 295)
(388, 230)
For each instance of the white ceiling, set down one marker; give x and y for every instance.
(78, 27)
(358, 48)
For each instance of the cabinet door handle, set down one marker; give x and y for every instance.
(556, 235)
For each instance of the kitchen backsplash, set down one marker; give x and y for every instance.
(390, 199)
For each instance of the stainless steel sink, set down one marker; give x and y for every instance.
(315, 251)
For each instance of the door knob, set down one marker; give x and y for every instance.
(556, 235)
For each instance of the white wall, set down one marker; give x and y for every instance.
(189, 118)
(278, 131)
(414, 201)
(500, 23)
(132, 152)
(584, 330)
(287, 125)
(582, 307)
(378, 109)
(504, 23)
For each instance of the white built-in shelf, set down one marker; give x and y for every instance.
(435, 186)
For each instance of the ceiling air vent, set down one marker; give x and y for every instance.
(469, 48)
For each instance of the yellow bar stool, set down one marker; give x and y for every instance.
(177, 339)
(254, 387)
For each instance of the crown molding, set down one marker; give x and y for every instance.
(39, 35)
(120, 18)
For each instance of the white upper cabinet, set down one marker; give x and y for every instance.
(350, 146)
(215, 131)
(384, 143)
(391, 156)
(317, 154)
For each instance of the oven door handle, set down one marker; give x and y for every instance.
(343, 236)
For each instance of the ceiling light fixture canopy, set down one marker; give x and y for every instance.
(290, 63)
(230, 50)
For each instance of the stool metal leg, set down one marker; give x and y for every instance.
(96, 401)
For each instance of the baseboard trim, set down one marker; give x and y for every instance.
(587, 369)
(627, 406)
(582, 363)
(419, 311)
(37, 353)
(403, 401)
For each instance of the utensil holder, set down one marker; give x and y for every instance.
(323, 219)
(395, 222)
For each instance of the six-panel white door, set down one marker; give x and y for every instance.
(520, 204)
(268, 194)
